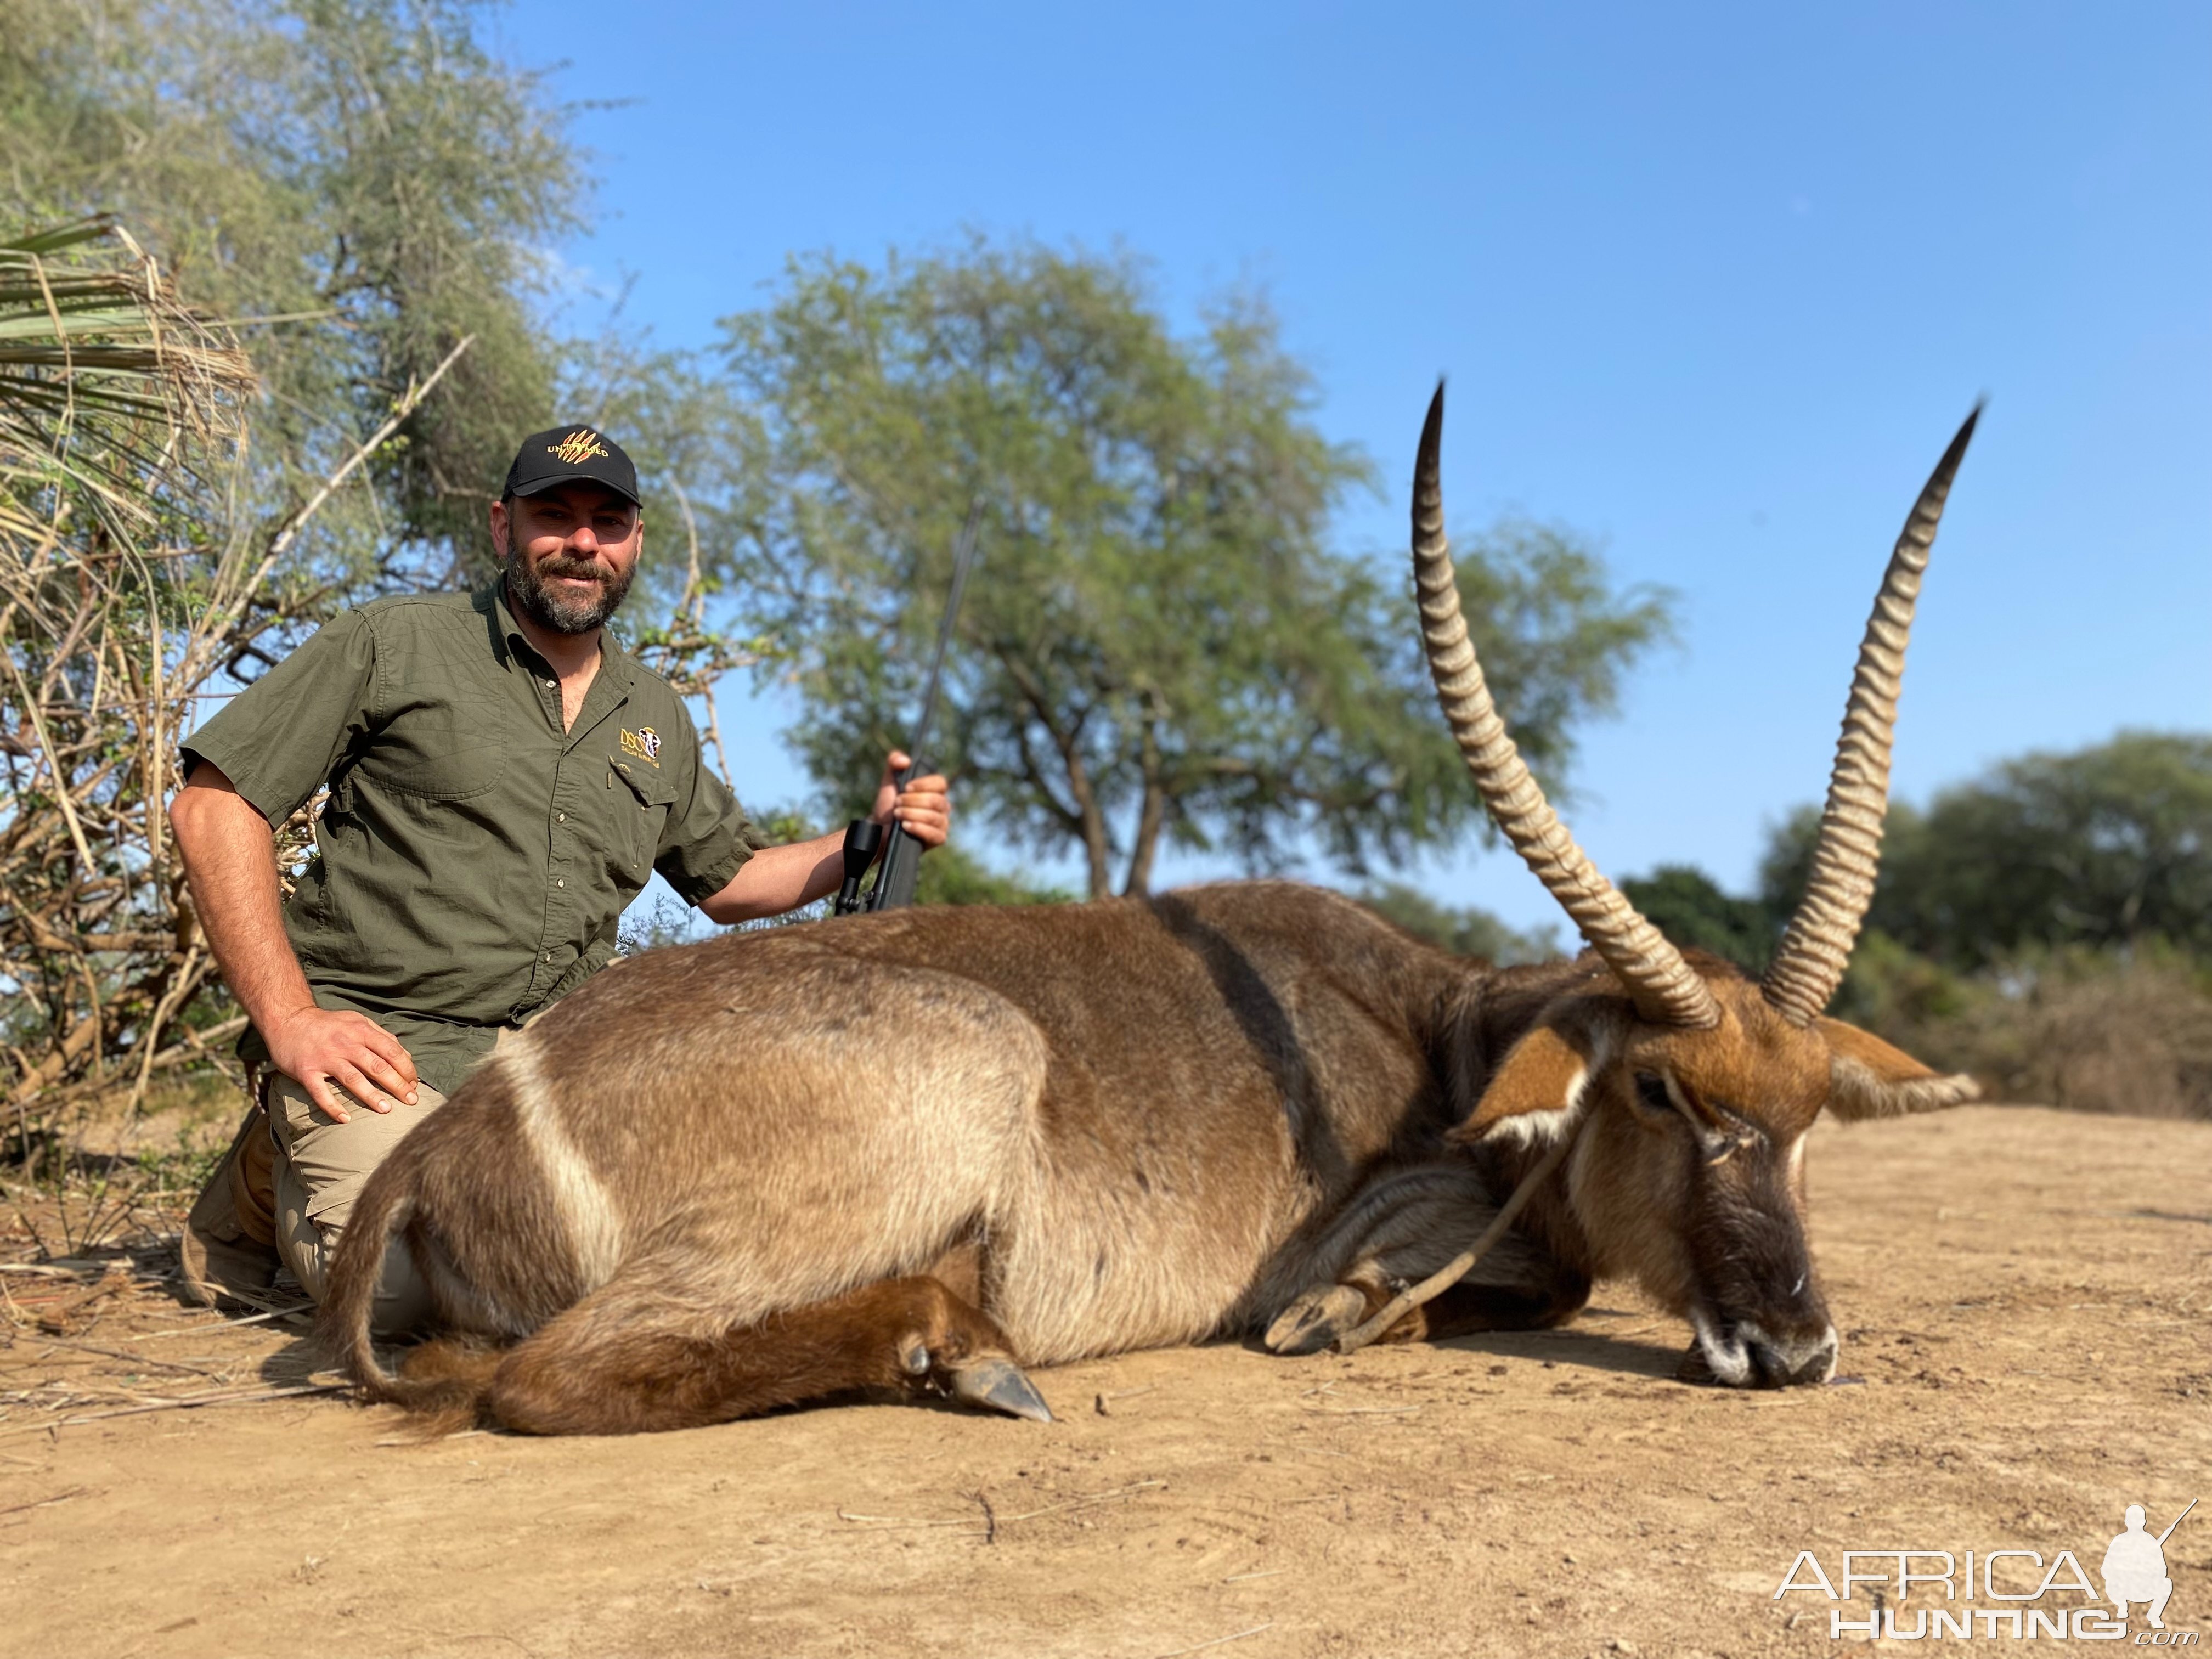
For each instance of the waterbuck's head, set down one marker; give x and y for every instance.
(1670, 1095)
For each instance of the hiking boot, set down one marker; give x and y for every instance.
(229, 1245)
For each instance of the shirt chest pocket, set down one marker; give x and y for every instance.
(639, 800)
(450, 749)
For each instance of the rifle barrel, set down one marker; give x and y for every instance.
(2177, 1521)
(901, 866)
(963, 560)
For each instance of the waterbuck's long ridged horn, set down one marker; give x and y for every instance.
(1816, 947)
(1666, 988)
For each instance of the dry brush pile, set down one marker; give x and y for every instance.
(120, 415)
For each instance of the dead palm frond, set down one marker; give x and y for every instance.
(105, 375)
(137, 571)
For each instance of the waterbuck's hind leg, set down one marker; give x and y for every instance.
(625, 1360)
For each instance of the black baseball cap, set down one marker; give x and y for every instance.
(571, 454)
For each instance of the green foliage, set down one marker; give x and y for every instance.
(362, 174)
(1160, 648)
(1689, 907)
(951, 875)
(1892, 989)
(2107, 846)
(1471, 931)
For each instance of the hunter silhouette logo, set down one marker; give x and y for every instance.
(2015, 1581)
(579, 445)
(2135, 1566)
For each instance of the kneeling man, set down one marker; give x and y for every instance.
(503, 778)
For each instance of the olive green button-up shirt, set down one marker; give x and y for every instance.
(473, 858)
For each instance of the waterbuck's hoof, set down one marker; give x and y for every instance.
(998, 1385)
(1315, 1320)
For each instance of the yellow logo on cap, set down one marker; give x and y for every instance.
(582, 445)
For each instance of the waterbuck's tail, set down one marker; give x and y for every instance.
(446, 1381)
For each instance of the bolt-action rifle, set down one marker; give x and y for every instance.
(901, 860)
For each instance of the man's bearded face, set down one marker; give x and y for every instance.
(571, 555)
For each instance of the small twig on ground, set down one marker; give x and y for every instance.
(888, 1522)
(895, 1521)
(1240, 1577)
(217, 1325)
(249, 1398)
(1081, 1503)
(1361, 1411)
(1099, 1402)
(434, 1440)
(42, 1503)
(1200, 1647)
(119, 1353)
(990, 1516)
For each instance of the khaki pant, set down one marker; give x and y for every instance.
(285, 1192)
(321, 1165)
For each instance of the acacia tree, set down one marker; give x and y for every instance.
(1161, 647)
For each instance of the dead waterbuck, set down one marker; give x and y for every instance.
(920, 1149)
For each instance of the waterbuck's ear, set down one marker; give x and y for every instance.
(1537, 1089)
(1866, 1077)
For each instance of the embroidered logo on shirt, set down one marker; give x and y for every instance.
(644, 742)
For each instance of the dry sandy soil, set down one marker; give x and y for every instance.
(2023, 1298)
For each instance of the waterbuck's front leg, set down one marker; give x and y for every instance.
(1399, 1228)
(630, 1356)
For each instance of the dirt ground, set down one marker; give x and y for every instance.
(2023, 1298)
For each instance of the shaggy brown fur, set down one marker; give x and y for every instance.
(712, 1181)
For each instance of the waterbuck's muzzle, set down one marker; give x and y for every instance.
(1754, 1301)
(1747, 1355)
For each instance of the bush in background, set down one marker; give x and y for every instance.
(2092, 1031)
(2046, 926)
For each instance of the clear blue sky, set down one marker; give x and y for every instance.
(1715, 283)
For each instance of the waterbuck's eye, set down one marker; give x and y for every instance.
(1651, 1092)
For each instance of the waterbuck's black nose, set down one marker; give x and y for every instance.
(1785, 1362)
